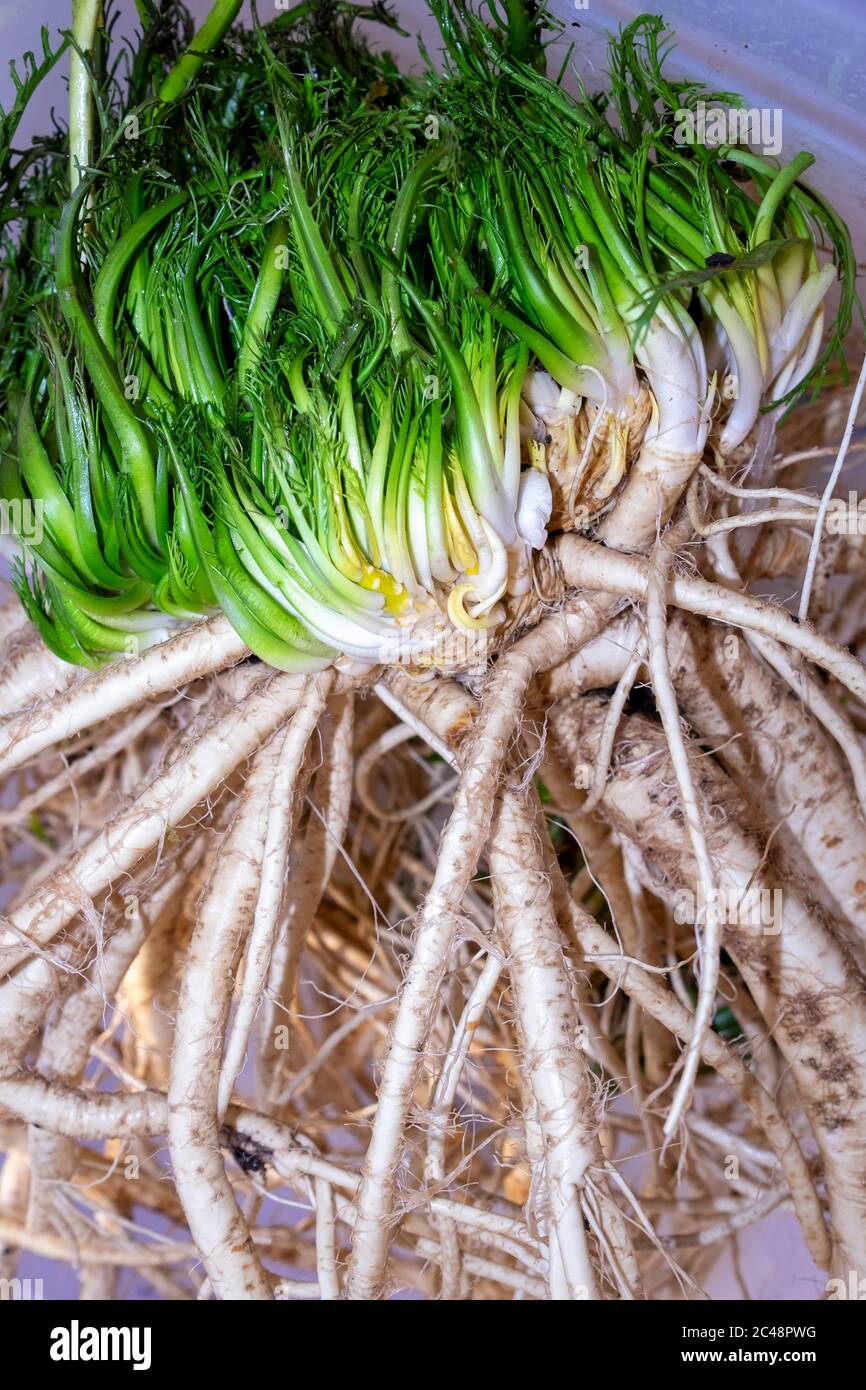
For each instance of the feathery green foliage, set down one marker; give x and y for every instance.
(279, 352)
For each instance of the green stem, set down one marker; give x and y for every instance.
(523, 40)
(785, 178)
(135, 447)
(118, 260)
(264, 301)
(86, 18)
(218, 22)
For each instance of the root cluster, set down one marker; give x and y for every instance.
(542, 986)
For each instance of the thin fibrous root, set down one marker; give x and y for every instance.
(666, 701)
(615, 709)
(556, 1070)
(451, 1260)
(209, 760)
(227, 912)
(600, 949)
(587, 565)
(806, 689)
(98, 756)
(462, 843)
(330, 803)
(65, 1051)
(100, 1116)
(805, 984)
(781, 759)
(161, 670)
(829, 488)
(662, 1006)
(275, 857)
